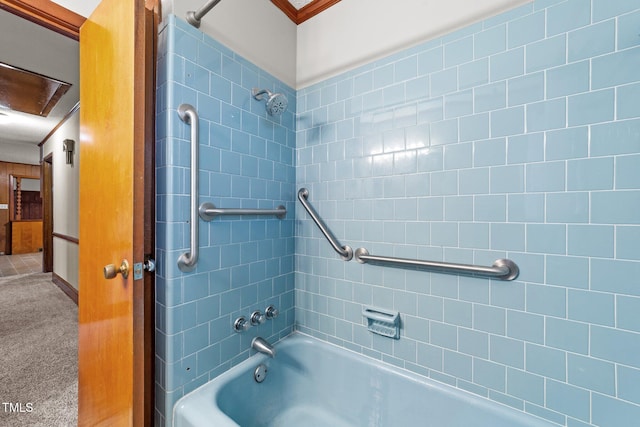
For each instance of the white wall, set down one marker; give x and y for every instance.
(20, 153)
(355, 32)
(65, 199)
(348, 34)
(255, 29)
(28, 184)
(65, 261)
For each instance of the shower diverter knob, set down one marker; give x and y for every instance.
(271, 312)
(257, 318)
(241, 324)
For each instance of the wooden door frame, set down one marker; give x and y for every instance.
(47, 14)
(147, 346)
(46, 189)
(59, 19)
(12, 198)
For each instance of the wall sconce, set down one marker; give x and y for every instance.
(67, 147)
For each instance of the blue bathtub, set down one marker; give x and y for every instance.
(312, 383)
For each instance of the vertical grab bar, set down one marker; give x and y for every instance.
(187, 261)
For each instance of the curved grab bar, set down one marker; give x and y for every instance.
(345, 252)
(187, 261)
(503, 269)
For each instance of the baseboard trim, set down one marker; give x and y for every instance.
(65, 287)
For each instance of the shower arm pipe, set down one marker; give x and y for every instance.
(503, 269)
(345, 252)
(194, 17)
(187, 261)
(257, 93)
(208, 211)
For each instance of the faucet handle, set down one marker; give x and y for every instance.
(241, 324)
(271, 312)
(257, 318)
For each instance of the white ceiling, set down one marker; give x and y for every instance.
(81, 7)
(31, 47)
(85, 7)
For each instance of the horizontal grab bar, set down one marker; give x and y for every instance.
(208, 211)
(503, 269)
(345, 252)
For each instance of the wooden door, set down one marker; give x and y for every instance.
(47, 211)
(115, 352)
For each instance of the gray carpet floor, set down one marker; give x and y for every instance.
(38, 353)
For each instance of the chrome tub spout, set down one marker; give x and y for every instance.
(261, 345)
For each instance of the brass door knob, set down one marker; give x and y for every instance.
(111, 271)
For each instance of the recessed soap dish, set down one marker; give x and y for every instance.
(383, 322)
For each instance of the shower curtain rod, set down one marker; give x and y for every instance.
(194, 17)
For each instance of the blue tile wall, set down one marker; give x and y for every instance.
(246, 160)
(516, 137)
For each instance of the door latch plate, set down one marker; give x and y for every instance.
(137, 271)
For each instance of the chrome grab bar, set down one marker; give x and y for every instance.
(503, 269)
(208, 211)
(345, 252)
(187, 261)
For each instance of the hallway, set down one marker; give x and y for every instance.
(38, 351)
(11, 265)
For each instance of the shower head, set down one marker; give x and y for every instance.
(276, 102)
